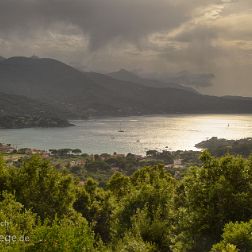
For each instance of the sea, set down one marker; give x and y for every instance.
(135, 134)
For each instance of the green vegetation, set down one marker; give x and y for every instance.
(219, 147)
(101, 167)
(208, 208)
(239, 234)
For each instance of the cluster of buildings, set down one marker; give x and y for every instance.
(7, 148)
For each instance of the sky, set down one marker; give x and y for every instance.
(208, 39)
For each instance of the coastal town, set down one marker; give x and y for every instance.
(101, 166)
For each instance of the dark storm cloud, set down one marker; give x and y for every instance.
(158, 37)
(102, 20)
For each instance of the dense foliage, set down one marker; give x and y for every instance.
(209, 208)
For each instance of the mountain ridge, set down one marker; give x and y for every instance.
(126, 75)
(84, 94)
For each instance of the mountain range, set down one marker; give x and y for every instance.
(74, 94)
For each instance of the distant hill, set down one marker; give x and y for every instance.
(229, 97)
(188, 79)
(221, 146)
(2, 58)
(81, 94)
(125, 75)
(21, 112)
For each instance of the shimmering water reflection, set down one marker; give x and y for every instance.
(141, 133)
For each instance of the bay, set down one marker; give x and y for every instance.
(140, 133)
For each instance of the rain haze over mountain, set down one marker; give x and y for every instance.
(205, 44)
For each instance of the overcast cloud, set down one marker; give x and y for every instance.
(155, 38)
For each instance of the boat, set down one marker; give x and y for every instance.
(120, 130)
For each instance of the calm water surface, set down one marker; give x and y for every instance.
(141, 133)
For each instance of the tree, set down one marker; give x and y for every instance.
(96, 205)
(76, 151)
(151, 153)
(63, 235)
(212, 195)
(17, 224)
(40, 187)
(145, 204)
(119, 185)
(133, 242)
(239, 235)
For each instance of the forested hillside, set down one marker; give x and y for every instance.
(21, 112)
